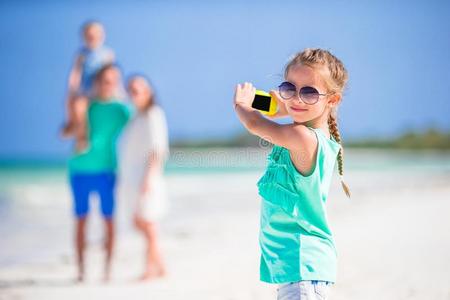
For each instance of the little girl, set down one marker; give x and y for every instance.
(297, 246)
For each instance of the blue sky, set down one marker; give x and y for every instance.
(397, 54)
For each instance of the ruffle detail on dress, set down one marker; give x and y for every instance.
(277, 185)
(280, 196)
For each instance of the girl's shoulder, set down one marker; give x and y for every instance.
(330, 143)
(321, 138)
(278, 148)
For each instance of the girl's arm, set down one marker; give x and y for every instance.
(291, 136)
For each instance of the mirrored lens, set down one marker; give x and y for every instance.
(309, 94)
(287, 90)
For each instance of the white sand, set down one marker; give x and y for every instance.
(393, 240)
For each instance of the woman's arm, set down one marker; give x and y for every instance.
(159, 149)
(291, 136)
(154, 168)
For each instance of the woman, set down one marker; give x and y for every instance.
(145, 150)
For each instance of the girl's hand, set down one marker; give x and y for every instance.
(244, 95)
(275, 95)
(282, 112)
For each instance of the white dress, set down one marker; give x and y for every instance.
(145, 134)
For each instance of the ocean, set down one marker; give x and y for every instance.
(35, 200)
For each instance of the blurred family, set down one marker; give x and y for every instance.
(98, 113)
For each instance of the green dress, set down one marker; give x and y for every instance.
(295, 239)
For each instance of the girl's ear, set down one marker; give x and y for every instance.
(334, 99)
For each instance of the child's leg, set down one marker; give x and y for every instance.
(67, 129)
(76, 108)
(80, 106)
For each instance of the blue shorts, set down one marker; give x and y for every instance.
(102, 183)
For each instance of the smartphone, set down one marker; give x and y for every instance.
(263, 102)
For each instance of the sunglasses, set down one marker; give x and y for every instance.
(308, 94)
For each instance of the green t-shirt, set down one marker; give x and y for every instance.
(106, 119)
(296, 242)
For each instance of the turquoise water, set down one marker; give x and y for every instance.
(243, 160)
(35, 197)
(21, 177)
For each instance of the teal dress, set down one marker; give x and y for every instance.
(295, 239)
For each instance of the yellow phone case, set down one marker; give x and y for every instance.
(273, 108)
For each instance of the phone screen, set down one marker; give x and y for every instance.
(261, 102)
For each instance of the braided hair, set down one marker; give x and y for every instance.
(335, 76)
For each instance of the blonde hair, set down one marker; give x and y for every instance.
(91, 24)
(335, 77)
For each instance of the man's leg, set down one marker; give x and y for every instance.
(109, 245)
(80, 190)
(106, 190)
(80, 241)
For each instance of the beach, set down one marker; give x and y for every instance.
(392, 236)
